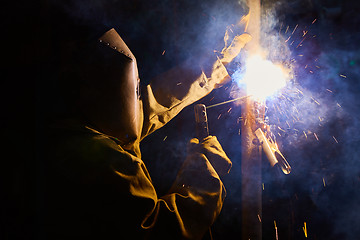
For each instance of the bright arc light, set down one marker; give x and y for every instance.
(262, 77)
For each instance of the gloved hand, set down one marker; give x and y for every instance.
(231, 51)
(197, 195)
(213, 151)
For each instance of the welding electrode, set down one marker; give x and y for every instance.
(272, 152)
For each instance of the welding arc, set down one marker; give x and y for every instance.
(229, 101)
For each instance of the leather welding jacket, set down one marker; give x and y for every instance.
(98, 189)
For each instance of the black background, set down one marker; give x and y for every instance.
(162, 34)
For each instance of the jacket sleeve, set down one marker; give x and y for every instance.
(97, 190)
(194, 201)
(170, 92)
(186, 212)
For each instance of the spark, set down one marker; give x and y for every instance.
(276, 231)
(163, 53)
(329, 90)
(288, 39)
(316, 136)
(280, 28)
(264, 83)
(315, 101)
(314, 21)
(178, 84)
(324, 182)
(305, 229)
(165, 138)
(259, 217)
(338, 105)
(335, 139)
(305, 134)
(263, 186)
(294, 29)
(281, 129)
(343, 76)
(301, 42)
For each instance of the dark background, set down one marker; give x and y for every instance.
(323, 188)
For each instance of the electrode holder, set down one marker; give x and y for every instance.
(272, 152)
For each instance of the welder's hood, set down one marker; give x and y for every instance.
(114, 99)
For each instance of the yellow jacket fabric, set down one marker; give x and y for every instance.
(97, 188)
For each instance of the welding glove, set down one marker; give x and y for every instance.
(231, 51)
(197, 195)
(212, 151)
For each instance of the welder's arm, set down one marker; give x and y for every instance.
(177, 88)
(122, 196)
(197, 195)
(181, 86)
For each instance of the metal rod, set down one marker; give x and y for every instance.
(251, 187)
(229, 101)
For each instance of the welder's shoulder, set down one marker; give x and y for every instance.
(85, 152)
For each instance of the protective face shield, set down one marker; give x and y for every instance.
(114, 107)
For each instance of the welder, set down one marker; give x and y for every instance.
(97, 186)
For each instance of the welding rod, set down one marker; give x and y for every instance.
(229, 101)
(272, 152)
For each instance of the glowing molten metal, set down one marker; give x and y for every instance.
(263, 78)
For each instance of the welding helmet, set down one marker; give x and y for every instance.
(111, 99)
